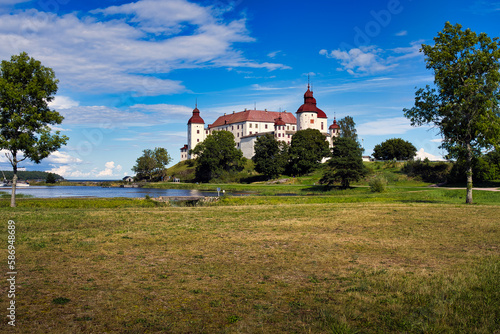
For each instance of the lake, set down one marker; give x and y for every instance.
(86, 191)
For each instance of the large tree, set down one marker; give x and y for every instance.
(395, 148)
(271, 156)
(348, 128)
(152, 165)
(307, 149)
(463, 105)
(26, 88)
(346, 164)
(216, 155)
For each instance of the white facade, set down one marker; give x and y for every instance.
(247, 125)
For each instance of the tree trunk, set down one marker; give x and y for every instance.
(468, 199)
(14, 184)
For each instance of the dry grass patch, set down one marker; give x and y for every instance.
(322, 268)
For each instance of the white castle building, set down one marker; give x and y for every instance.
(248, 125)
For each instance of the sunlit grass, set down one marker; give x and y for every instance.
(285, 266)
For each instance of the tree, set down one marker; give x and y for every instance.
(307, 149)
(346, 164)
(51, 178)
(26, 88)
(217, 154)
(348, 128)
(271, 156)
(152, 165)
(464, 103)
(395, 148)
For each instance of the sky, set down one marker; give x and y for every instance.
(131, 72)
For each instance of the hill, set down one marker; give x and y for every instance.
(30, 175)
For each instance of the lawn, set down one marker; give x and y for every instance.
(303, 264)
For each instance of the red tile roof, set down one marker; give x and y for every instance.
(196, 117)
(334, 125)
(310, 105)
(254, 116)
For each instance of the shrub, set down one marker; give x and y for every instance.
(436, 172)
(378, 184)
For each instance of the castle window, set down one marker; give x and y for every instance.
(250, 125)
(250, 132)
(312, 121)
(293, 128)
(198, 131)
(197, 140)
(232, 127)
(266, 126)
(288, 127)
(238, 134)
(321, 125)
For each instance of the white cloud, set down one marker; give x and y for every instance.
(388, 126)
(409, 52)
(11, 2)
(68, 172)
(370, 59)
(63, 102)
(359, 61)
(402, 33)
(273, 54)
(72, 171)
(109, 169)
(135, 115)
(126, 48)
(159, 16)
(422, 155)
(62, 158)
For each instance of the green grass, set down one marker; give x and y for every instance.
(302, 264)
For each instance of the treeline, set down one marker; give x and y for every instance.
(31, 175)
(484, 168)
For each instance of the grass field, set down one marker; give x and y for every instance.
(401, 261)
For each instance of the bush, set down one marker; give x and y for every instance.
(378, 184)
(435, 172)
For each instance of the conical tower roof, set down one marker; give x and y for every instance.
(310, 104)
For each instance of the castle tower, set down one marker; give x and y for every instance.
(309, 116)
(279, 129)
(196, 131)
(334, 131)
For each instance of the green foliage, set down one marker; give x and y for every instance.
(435, 172)
(348, 128)
(152, 164)
(30, 175)
(346, 164)
(307, 149)
(51, 178)
(484, 168)
(395, 148)
(378, 184)
(26, 88)
(217, 155)
(493, 160)
(464, 104)
(271, 156)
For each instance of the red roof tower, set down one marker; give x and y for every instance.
(196, 118)
(310, 104)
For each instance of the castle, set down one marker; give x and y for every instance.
(248, 125)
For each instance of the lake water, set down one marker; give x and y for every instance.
(85, 191)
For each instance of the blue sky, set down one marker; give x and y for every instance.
(131, 71)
